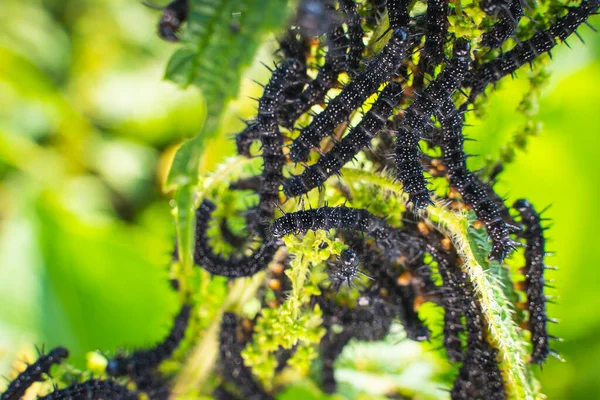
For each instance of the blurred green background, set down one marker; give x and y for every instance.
(87, 131)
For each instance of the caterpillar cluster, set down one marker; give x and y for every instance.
(345, 89)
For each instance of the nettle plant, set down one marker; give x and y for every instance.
(349, 214)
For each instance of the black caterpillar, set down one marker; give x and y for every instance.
(408, 167)
(95, 389)
(401, 298)
(355, 35)
(453, 300)
(142, 363)
(344, 151)
(369, 321)
(474, 193)
(480, 376)
(378, 71)
(326, 79)
(173, 16)
(534, 279)
(505, 27)
(398, 13)
(325, 218)
(293, 46)
(284, 77)
(270, 137)
(437, 30)
(233, 368)
(527, 51)
(34, 373)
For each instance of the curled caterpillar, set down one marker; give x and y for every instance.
(378, 71)
(435, 35)
(355, 35)
(93, 389)
(34, 373)
(526, 51)
(505, 27)
(474, 192)
(233, 368)
(142, 363)
(408, 167)
(344, 151)
(325, 218)
(534, 279)
(232, 267)
(326, 79)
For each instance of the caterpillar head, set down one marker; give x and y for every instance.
(400, 35)
(461, 49)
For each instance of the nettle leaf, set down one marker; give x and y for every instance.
(222, 38)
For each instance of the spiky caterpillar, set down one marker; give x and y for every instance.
(142, 363)
(398, 13)
(534, 279)
(345, 270)
(173, 16)
(379, 70)
(271, 139)
(326, 79)
(293, 47)
(355, 35)
(407, 155)
(480, 376)
(93, 389)
(453, 300)
(505, 27)
(472, 190)
(233, 368)
(526, 51)
(359, 137)
(231, 267)
(345, 218)
(285, 76)
(435, 35)
(34, 373)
